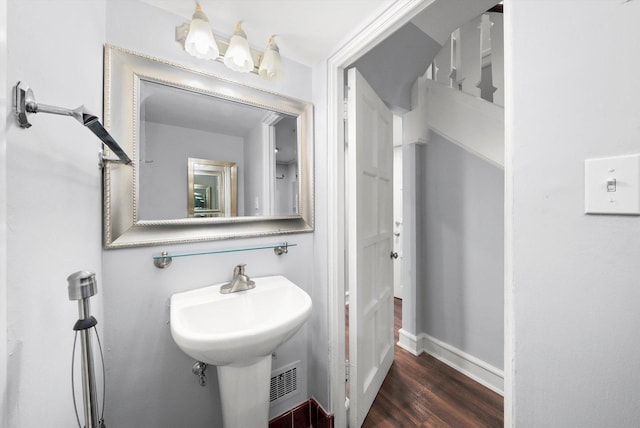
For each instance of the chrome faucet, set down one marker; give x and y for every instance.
(240, 281)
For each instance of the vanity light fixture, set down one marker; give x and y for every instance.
(238, 55)
(200, 42)
(271, 65)
(197, 38)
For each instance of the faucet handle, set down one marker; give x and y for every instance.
(239, 270)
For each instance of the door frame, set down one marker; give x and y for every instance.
(364, 39)
(391, 19)
(397, 220)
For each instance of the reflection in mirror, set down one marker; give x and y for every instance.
(163, 114)
(202, 126)
(286, 172)
(212, 188)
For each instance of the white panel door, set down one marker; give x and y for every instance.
(370, 243)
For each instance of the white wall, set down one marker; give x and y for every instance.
(574, 277)
(150, 380)
(52, 199)
(461, 264)
(163, 179)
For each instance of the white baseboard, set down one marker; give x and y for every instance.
(409, 342)
(470, 366)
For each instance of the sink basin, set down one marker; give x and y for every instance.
(238, 328)
(237, 332)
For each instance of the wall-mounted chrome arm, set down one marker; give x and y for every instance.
(25, 103)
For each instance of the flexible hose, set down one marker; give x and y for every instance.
(73, 387)
(104, 379)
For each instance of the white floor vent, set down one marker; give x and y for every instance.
(284, 382)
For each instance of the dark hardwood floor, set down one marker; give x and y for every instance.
(424, 392)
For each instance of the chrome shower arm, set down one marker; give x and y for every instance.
(33, 107)
(96, 127)
(25, 103)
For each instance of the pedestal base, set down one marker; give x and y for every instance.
(244, 393)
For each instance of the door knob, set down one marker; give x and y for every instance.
(394, 255)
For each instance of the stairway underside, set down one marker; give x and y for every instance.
(472, 123)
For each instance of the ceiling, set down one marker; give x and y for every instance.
(307, 31)
(198, 111)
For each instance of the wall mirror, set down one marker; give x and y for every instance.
(212, 159)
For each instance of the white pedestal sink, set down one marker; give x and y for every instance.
(237, 332)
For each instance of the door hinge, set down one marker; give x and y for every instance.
(345, 109)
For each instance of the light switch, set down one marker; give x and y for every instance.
(612, 185)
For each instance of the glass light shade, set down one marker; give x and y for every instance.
(271, 65)
(200, 42)
(238, 55)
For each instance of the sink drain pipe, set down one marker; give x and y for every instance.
(82, 286)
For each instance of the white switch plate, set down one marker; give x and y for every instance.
(612, 185)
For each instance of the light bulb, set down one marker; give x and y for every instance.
(238, 55)
(200, 42)
(271, 64)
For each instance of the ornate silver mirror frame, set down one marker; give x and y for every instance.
(122, 227)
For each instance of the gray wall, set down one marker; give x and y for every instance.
(394, 64)
(462, 271)
(150, 382)
(573, 278)
(283, 193)
(255, 149)
(163, 179)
